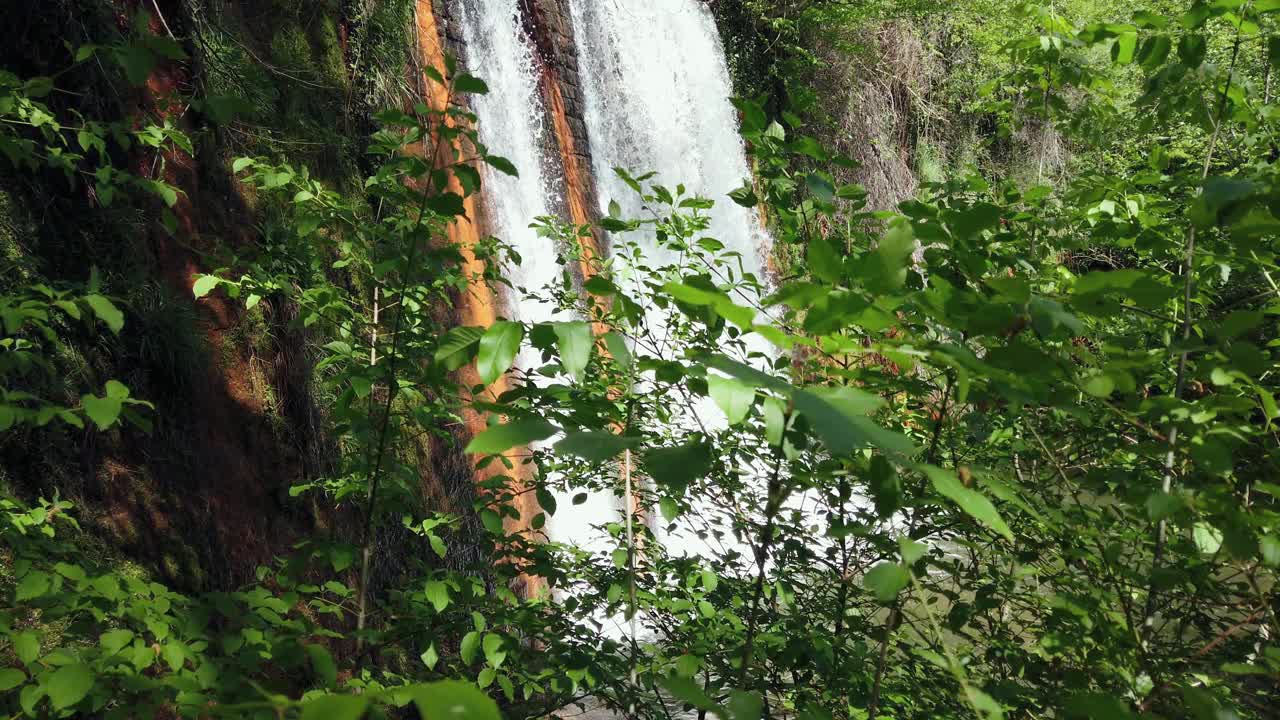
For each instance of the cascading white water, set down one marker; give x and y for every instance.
(656, 89)
(511, 125)
(656, 92)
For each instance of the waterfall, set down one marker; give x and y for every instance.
(499, 51)
(511, 125)
(656, 93)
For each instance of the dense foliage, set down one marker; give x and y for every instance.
(1006, 451)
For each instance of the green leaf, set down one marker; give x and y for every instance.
(115, 640)
(104, 412)
(688, 665)
(820, 187)
(1207, 538)
(465, 83)
(836, 414)
(1218, 196)
(430, 657)
(974, 503)
(617, 346)
(1099, 385)
(1270, 548)
(447, 204)
(205, 285)
(502, 165)
(1192, 49)
(675, 467)
(335, 707)
(892, 257)
(1122, 50)
(745, 195)
(733, 396)
(458, 346)
(454, 700)
(26, 645)
(500, 438)
(492, 521)
(322, 665)
(596, 445)
(688, 691)
(1161, 505)
(774, 420)
(911, 550)
(437, 593)
(493, 652)
(69, 684)
(11, 678)
(886, 580)
(498, 348)
(574, 341)
(32, 585)
(106, 311)
(469, 646)
(137, 62)
(744, 705)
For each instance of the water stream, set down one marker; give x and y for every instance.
(656, 98)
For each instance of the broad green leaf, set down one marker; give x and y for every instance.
(335, 707)
(454, 700)
(430, 657)
(774, 420)
(106, 311)
(886, 580)
(974, 503)
(26, 645)
(836, 414)
(205, 285)
(617, 346)
(114, 641)
(1269, 545)
(458, 346)
(911, 550)
(32, 585)
(437, 593)
(469, 646)
(744, 705)
(676, 467)
(104, 411)
(734, 397)
(688, 665)
(1207, 538)
(1122, 51)
(11, 678)
(501, 438)
(748, 374)
(885, 269)
(575, 342)
(322, 665)
(498, 348)
(447, 204)
(493, 652)
(69, 685)
(465, 83)
(595, 445)
(687, 690)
